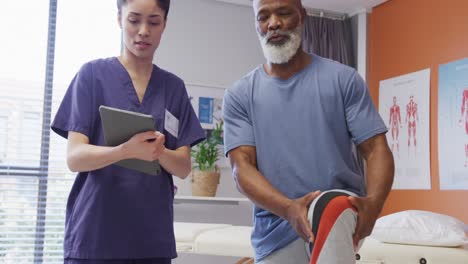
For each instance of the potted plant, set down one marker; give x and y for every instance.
(205, 173)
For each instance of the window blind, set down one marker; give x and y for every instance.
(32, 197)
(34, 75)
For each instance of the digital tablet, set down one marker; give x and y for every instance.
(119, 126)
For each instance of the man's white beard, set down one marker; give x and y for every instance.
(280, 54)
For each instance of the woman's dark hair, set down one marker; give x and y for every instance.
(163, 4)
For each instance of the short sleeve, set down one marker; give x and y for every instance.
(238, 129)
(75, 110)
(362, 117)
(190, 130)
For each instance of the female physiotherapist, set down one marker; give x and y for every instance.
(117, 215)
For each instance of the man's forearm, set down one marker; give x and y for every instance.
(380, 173)
(260, 191)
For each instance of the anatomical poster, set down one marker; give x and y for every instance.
(453, 125)
(404, 106)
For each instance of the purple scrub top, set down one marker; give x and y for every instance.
(113, 212)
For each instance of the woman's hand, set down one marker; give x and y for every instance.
(148, 146)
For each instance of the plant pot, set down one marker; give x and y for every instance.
(205, 183)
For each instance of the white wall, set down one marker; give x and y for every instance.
(211, 43)
(362, 44)
(359, 33)
(354, 34)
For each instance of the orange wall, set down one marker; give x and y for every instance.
(410, 35)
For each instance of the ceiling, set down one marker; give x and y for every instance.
(342, 6)
(349, 7)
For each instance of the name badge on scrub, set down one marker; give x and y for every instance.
(171, 124)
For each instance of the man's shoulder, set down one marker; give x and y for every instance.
(330, 70)
(333, 66)
(244, 84)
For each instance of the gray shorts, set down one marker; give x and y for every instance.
(294, 252)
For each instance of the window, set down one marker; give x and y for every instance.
(3, 137)
(29, 140)
(40, 55)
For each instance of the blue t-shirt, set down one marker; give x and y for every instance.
(305, 130)
(115, 212)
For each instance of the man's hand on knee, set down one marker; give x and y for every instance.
(368, 212)
(297, 215)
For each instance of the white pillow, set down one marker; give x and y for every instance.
(420, 228)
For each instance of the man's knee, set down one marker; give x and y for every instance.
(333, 220)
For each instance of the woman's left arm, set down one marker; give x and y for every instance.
(177, 162)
